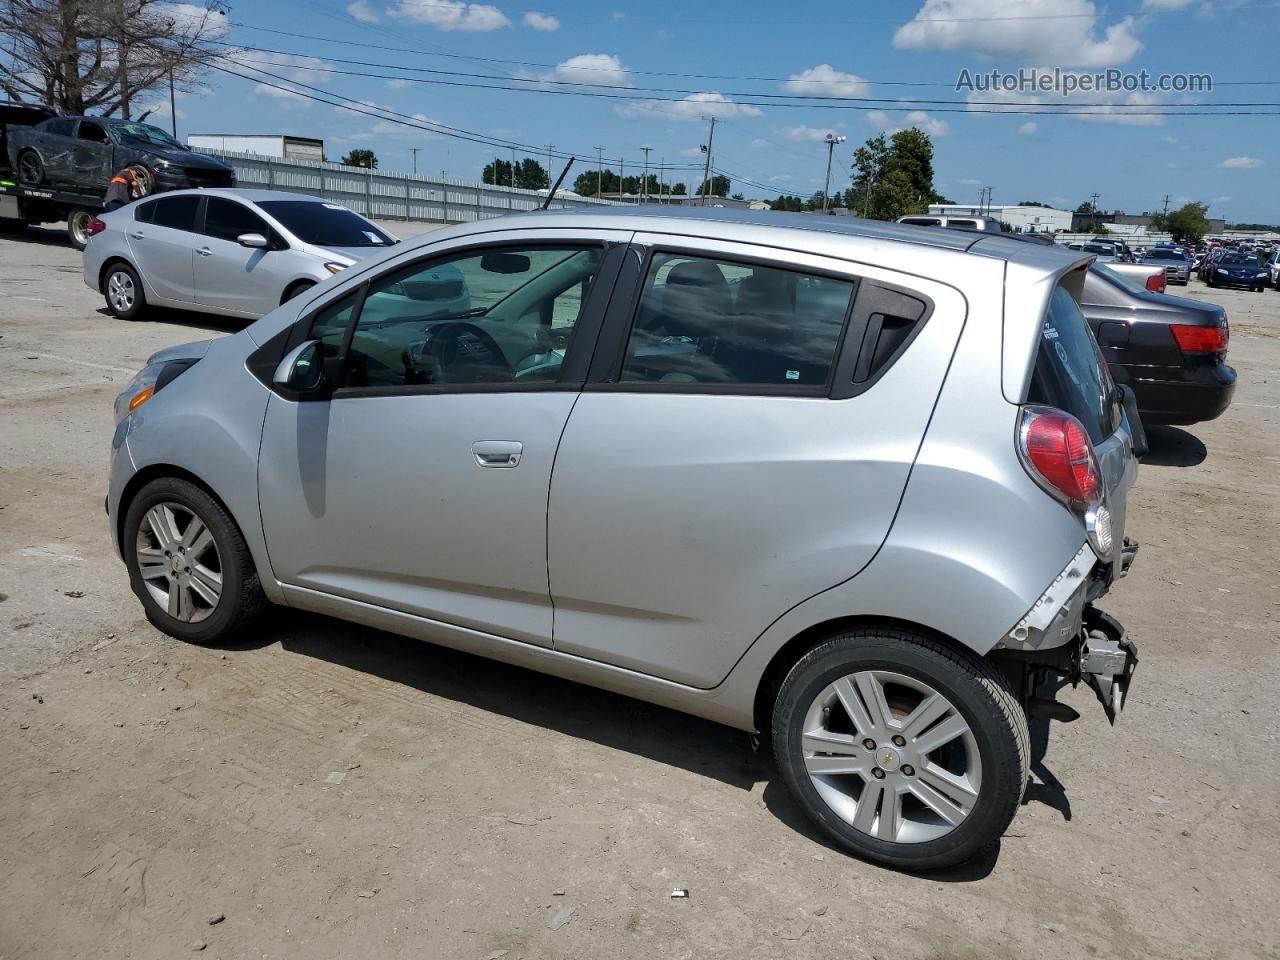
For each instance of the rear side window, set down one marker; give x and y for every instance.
(706, 322)
(145, 212)
(176, 212)
(1070, 373)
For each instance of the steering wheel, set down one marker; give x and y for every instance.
(454, 351)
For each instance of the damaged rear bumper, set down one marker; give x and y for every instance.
(1107, 660)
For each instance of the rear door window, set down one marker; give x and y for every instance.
(176, 212)
(1070, 373)
(705, 322)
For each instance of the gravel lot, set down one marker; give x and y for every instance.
(337, 792)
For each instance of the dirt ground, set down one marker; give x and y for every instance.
(337, 792)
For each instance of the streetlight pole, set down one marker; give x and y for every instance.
(644, 180)
(706, 168)
(831, 142)
(599, 170)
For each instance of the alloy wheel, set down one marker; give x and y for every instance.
(178, 561)
(29, 169)
(121, 292)
(891, 756)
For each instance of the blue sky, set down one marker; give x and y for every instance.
(841, 50)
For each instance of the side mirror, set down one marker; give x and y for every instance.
(301, 372)
(252, 240)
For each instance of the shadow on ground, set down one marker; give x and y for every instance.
(186, 318)
(612, 720)
(1173, 447)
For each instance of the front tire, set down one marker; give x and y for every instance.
(145, 178)
(78, 227)
(122, 288)
(188, 563)
(902, 750)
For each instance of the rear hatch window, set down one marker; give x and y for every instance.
(1070, 373)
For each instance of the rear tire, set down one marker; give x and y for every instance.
(122, 288)
(30, 169)
(78, 227)
(189, 564)
(931, 806)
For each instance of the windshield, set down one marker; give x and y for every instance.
(1164, 255)
(1070, 373)
(147, 134)
(325, 224)
(1101, 248)
(1237, 258)
(1128, 283)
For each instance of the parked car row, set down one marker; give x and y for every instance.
(768, 474)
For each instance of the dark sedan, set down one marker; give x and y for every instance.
(85, 152)
(1237, 270)
(1170, 350)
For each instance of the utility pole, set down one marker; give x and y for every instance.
(706, 167)
(644, 181)
(599, 170)
(986, 209)
(513, 167)
(414, 151)
(173, 116)
(831, 142)
(1093, 207)
(622, 179)
(1166, 204)
(550, 147)
(662, 171)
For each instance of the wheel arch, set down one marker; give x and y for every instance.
(296, 287)
(787, 655)
(162, 471)
(110, 262)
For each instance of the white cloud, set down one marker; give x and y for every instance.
(807, 133)
(1028, 129)
(825, 80)
(308, 70)
(598, 68)
(385, 129)
(1167, 4)
(691, 152)
(541, 21)
(781, 178)
(1241, 163)
(696, 106)
(192, 19)
(992, 28)
(970, 182)
(617, 16)
(398, 84)
(759, 143)
(930, 125)
(1111, 109)
(1220, 200)
(451, 15)
(360, 10)
(877, 118)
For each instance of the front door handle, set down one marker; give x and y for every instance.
(137, 235)
(497, 453)
(205, 252)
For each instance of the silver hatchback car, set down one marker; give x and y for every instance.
(240, 253)
(851, 486)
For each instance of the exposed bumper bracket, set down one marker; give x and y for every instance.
(1107, 660)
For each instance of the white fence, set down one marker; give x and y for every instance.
(392, 196)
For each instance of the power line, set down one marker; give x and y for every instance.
(652, 73)
(891, 106)
(783, 99)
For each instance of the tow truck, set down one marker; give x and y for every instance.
(21, 206)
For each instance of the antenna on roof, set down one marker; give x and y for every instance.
(559, 180)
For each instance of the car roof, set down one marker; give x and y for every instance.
(250, 195)
(783, 230)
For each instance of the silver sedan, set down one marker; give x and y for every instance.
(236, 252)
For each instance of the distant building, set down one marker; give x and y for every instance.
(1023, 219)
(1137, 224)
(280, 146)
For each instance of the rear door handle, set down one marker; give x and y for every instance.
(497, 453)
(205, 252)
(137, 235)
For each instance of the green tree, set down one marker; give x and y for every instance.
(1188, 223)
(719, 186)
(1099, 230)
(498, 172)
(893, 176)
(531, 175)
(1031, 203)
(361, 158)
(591, 183)
(1086, 208)
(679, 190)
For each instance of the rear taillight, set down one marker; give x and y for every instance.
(1156, 282)
(1192, 339)
(1056, 451)
(96, 226)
